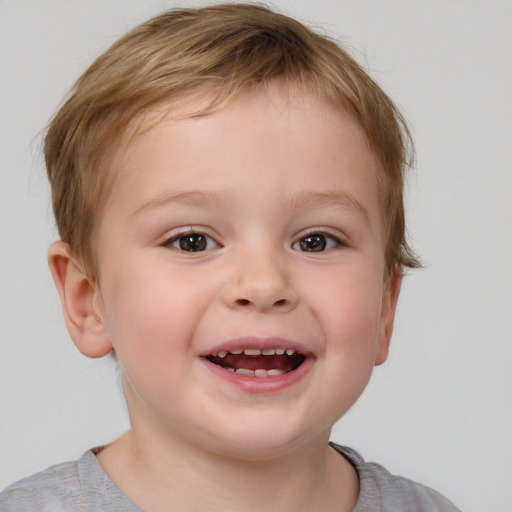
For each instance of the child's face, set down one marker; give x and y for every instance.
(257, 227)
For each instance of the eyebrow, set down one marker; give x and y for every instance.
(337, 199)
(301, 200)
(193, 197)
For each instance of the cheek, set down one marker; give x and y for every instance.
(348, 313)
(348, 304)
(350, 320)
(152, 316)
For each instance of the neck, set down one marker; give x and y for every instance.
(179, 477)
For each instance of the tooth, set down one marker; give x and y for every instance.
(290, 351)
(236, 351)
(260, 373)
(222, 353)
(228, 368)
(268, 352)
(252, 351)
(272, 373)
(279, 351)
(244, 371)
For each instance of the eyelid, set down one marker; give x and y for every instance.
(340, 240)
(339, 237)
(168, 240)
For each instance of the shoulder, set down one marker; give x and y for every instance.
(76, 486)
(382, 491)
(56, 488)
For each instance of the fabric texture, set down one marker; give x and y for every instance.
(83, 486)
(380, 491)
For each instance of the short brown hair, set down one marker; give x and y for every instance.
(222, 49)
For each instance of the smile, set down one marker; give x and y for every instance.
(255, 362)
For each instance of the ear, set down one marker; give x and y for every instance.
(81, 302)
(387, 316)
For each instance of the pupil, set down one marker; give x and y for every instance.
(313, 243)
(193, 242)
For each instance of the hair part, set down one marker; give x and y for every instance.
(218, 51)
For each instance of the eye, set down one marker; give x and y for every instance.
(316, 242)
(192, 242)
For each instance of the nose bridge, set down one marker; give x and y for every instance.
(260, 280)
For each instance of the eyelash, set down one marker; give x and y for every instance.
(326, 238)
(319, 240)
(181, 239)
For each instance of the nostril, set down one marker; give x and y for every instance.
(247, 302)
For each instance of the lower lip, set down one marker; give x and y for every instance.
(261, 385)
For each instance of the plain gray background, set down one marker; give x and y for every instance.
(440, 410)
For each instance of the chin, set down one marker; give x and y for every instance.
(264, 444)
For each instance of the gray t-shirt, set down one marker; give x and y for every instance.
(83, 486)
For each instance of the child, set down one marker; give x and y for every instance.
(227, 186)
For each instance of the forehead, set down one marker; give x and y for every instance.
(280, 132)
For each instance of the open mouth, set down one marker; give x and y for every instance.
(253, 362)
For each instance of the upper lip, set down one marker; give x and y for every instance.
(260, 342)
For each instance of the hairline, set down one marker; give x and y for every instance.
(205, 101)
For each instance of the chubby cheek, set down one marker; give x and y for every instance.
(349, 314)
(151, 318)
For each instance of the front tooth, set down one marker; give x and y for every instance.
(237, 351)
(252, 351)
(229, 369)
(244, 371)
(272, 373)
(260, 373)
(279, 351)
(290, 351)
(222, 353)
(268, 351)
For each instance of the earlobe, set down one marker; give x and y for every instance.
(389, 302)
(81, 303)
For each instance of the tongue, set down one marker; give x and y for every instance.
(283, 362)
(257, 362)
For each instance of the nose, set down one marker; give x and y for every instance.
(261, 284)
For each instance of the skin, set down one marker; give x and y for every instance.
(256, 179)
